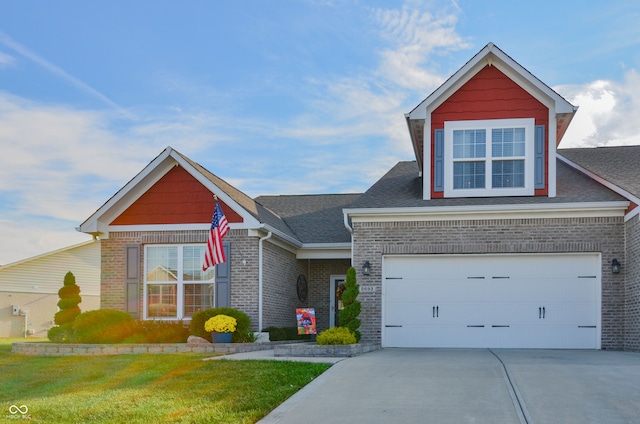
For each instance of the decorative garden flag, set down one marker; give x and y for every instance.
(214, 254)
(306, 318)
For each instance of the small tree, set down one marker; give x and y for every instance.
(349, 315)
(69, 299)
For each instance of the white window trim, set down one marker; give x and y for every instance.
(488, 125)
(180, 283)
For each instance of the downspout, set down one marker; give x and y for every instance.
(348, 227)
(260, 266)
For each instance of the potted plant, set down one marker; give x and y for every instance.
(221, 328)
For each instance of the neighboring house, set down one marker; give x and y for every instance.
(29, 288)
(490, 238)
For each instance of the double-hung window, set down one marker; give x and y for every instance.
(489, 158)
(175, 287)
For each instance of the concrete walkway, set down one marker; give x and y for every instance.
(471, 386)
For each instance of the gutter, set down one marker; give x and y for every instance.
(345, 219)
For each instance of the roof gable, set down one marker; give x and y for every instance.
(489, 56)
(176, 198)
(161, 170)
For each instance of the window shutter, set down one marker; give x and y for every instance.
(539, 157)
(223, 279)
(438, 154)
(132, 279)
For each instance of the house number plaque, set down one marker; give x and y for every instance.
(367, 289)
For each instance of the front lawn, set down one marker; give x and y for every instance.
(146, 388)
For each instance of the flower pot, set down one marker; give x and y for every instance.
(221, 337)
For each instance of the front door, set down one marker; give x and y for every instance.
(336, 282)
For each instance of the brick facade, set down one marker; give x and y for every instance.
(320, 292)
(243, 257)
(543, 235)
(630, 270)
(280, 298)
(280, 273)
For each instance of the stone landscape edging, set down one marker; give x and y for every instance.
(281, 348)
(316, 350)
(86, 349)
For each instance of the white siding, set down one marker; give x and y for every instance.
(45, 273)
(32, 285)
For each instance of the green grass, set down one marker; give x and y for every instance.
(179, 388)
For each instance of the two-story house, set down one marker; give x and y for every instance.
(491, 237)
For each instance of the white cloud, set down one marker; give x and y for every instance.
(415, 37)
(6, 60)
(606, 113)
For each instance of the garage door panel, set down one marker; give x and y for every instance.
(492, 301)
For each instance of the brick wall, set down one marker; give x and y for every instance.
(243, 257)
(320, 292)
(280, 274)
(630, 270)
(551, 235)
(281, 271)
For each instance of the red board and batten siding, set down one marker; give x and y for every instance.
(177, 198)
(490, 94)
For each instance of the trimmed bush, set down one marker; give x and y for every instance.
(69, 299)
(103, 326)
(352, 308)
(285, 333)
(156, 331)
(336, 336)
(61, 333)
(243, 324)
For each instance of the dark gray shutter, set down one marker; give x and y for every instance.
(538, 163)
(438, 154)
(223, 279)
(132, 279)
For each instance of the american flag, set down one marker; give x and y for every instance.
(219, 228)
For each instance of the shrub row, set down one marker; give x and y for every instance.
(285, 333)
(111, 326)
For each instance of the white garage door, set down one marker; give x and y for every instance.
(512, 301)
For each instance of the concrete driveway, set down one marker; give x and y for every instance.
(471, 386)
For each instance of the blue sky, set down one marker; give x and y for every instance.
(276, 97)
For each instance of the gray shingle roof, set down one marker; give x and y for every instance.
(319, 219)
(258, 211)
(618, 165)
(313, 218)
(402, 187)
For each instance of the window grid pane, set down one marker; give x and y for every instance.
(468, 175)
(197, 297)
(162, 300)
(192, 257)
(162, 263)
(469, 144)
(507, 173)
(507, 142)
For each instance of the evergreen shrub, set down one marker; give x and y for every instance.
(103, 326)
(336, 336)
(61, 333)
(156, 331)
(285, 333)
(352, 307)
(69, 300)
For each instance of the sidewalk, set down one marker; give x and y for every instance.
(269, 355)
